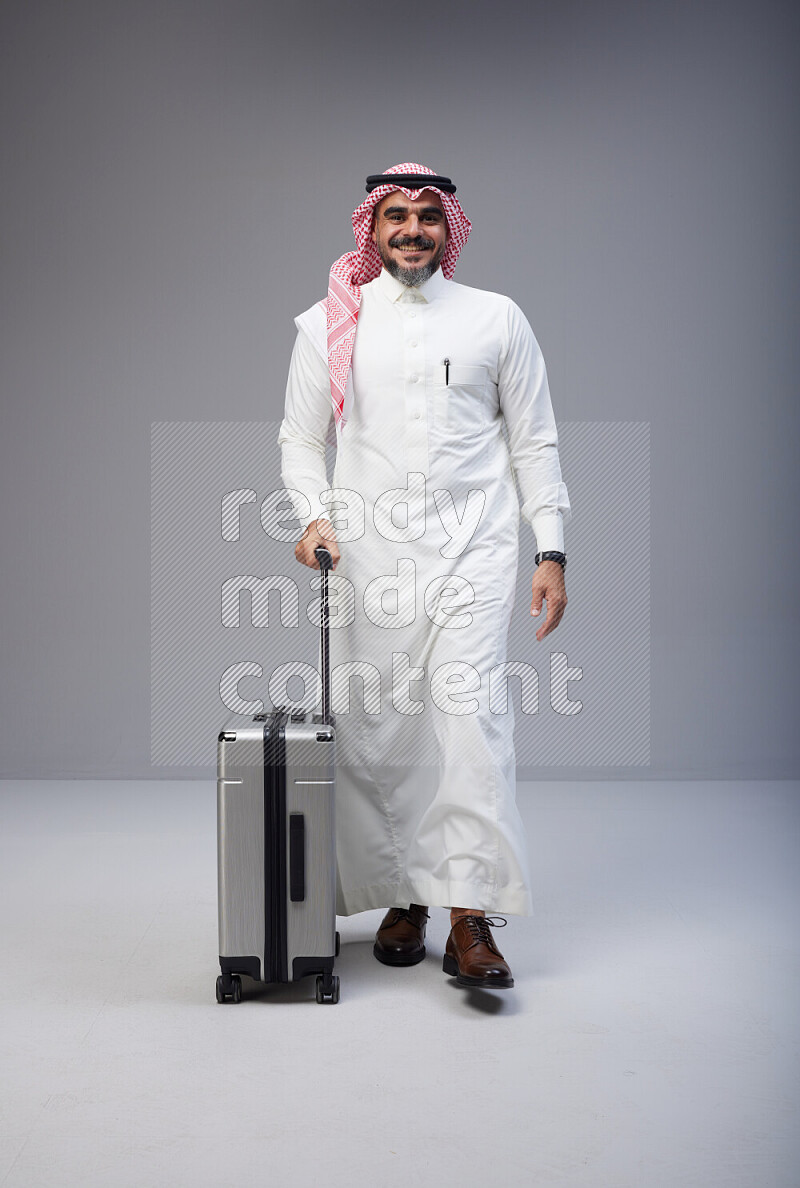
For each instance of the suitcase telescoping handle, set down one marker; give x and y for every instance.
(325, 563)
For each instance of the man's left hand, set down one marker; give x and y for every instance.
(548, 584)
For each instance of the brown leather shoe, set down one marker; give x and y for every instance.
(400, 940)
(472, 957)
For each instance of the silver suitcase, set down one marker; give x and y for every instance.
(276, 851)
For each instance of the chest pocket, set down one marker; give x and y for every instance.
(461, 398)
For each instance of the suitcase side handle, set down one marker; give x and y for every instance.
(297, 857)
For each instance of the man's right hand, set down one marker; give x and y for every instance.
(319, 532)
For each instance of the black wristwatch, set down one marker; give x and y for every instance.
(561, 558)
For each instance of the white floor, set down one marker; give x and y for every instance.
(650, 1042)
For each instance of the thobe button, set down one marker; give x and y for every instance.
(413, 342)
(417, 416)
(415, 379)
(412, 313)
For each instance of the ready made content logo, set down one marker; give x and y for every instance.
(414, 620)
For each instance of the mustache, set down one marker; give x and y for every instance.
(420, 241)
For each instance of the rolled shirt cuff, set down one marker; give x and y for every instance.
(319, 511)
(307, 508)
(549, 532)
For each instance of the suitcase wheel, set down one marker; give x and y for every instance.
(229, 988)
(328, 988)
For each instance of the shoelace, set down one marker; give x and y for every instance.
(406, 914)
(479, 927)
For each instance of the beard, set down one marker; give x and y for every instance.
(412, 278)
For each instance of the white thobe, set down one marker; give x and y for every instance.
(425, 800)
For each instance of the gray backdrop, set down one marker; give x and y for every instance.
(178, 176)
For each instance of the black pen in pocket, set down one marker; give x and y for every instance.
(446, 372)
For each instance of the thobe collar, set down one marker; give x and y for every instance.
(394, 290)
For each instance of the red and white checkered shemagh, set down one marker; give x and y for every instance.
(354, 269)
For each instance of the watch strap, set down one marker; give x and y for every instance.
(552, 555)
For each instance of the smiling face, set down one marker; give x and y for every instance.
(410, 236)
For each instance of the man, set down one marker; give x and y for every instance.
(421, 375)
